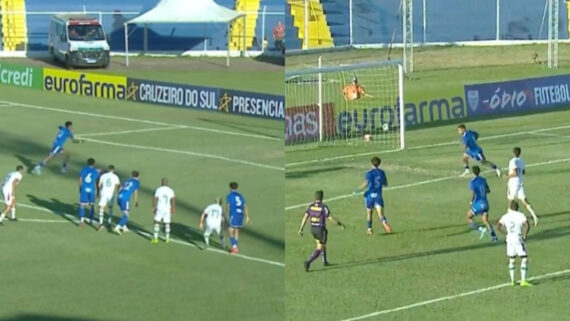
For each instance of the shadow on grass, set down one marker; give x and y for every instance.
(28, 163)
(540, 235)
(41, 317)
(309, 172)
(21, 147)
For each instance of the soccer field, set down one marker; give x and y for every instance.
(432, 267)
(53, 270)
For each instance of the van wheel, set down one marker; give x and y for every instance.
(68, 63)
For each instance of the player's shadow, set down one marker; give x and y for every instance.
(41, 317)
(27, 162)
(26, 147)
(57, 207)
(309, 172)
(187, 234)
(554, 233)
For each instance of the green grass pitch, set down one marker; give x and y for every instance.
(53, 270)
(433, 268)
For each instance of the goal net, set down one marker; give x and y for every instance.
(346, 104)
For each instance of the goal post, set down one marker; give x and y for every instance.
(353, 104)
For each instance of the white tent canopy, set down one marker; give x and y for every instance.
(184, 11)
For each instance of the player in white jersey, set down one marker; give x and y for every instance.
(515, 188)
(517, 227)
(9, 192)
(163, 206)
(214, 216)
(109, 183)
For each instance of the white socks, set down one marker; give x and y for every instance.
(523, 269)
(512, 269)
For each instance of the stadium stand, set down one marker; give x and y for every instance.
(30, 29)
(374, 22)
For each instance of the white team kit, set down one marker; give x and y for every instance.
(214, 217)
(513, 222)
(515, 188)
(7, 190)
(163, 194)
(108, 184)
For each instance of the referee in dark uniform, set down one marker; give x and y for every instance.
(317, 214)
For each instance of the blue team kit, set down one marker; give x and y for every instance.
(236, 204)
(62, 135)
(469, 139)
(479, 204)
(127, 189)
(88, 176)
(376, 179)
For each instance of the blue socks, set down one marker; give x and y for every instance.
(123, 220)
(233, 241)
(368, 224)
(473, 226)
(81, 212)
(41, 164)
(91, 213)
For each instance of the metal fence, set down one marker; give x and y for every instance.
(354, 22)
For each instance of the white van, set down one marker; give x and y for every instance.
(78, 41)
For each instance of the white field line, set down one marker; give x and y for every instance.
(211, 130)
(250, 258)
(145, 130)
(454, 142)
(452, 297)
(550, 135)
(428, 181)
(73, 218)
(176, 151)
(39, 220)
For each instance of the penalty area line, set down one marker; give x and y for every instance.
(428, 181)
(452, 297)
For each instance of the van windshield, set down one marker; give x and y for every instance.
(86, 33)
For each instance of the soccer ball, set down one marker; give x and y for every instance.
(367, 137)
(385, 127)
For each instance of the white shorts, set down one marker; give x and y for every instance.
(8, 199)
(162, 216)
(516, 249)
(210, 227)
(106, 200)
(515, 191)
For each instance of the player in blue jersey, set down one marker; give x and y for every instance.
(472, 150)
(374, 180)
(480, 205)
(63, 133)
(237, 211)
(87, 190)
(129, 187)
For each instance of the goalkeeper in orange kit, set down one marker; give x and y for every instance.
(354, 91)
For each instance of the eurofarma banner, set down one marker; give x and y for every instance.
(302, 123)
(517, 95)
(252, 104)
(162, 93)
(20, 76)
(84, 84)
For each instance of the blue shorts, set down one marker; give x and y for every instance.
(56, 149)
(475, 154)
(123, 204)
(479, 208)
(86, 195)
(372, 200)
(236, 221)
